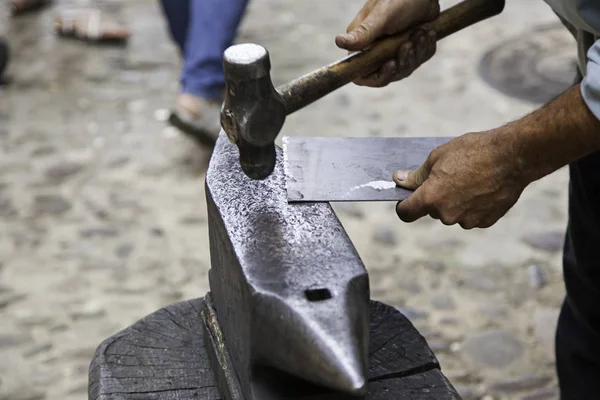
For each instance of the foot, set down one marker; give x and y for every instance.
(89, 24)
(198, 117)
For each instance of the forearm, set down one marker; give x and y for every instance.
(553, 136)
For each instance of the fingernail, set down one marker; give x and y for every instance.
(401, 175)
(349, 37)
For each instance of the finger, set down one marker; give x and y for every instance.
(407, 14)
(434, 10)
(341, 39)
(412, 59)
(415, 37)
(424, 47)
(433, 213)
(421, 45)
(413, 207)
(490, 220)
(486, 223)
(432, 44)
(360, 17)
(468, 223)
(381, 78)
(428, 49)
(411, 179)
(365, 33)
(405, 64)
(402, 61)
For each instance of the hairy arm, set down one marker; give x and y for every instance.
(557, 134)
(476, 178)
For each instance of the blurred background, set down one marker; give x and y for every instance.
(102, 203)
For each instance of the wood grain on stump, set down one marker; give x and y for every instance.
(163, 356)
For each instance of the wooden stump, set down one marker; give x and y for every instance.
(163, 356)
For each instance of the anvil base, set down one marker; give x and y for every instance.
(164, 357)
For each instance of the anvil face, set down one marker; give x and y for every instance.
(289, 289)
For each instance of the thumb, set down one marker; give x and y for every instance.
(363, 35)
(411, 179)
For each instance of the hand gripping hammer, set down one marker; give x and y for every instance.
(254, 110)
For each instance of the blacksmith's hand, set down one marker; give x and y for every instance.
(380, 18)
(472, 180)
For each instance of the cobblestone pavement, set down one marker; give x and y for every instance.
(103, 213)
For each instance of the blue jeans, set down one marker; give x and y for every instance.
(203, 29)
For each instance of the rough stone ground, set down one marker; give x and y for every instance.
(103, 214)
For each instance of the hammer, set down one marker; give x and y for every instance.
(254, 110)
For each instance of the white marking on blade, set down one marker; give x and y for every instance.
(377, 185)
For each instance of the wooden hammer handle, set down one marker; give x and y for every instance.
(310, 87)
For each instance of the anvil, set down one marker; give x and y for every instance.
(288, 289)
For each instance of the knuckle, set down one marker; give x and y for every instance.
(434, 155)
(365, 30)
(416, 36)
(421, 175)
(434, 9)
(448, 217)
(467, 224)
(430, 200)
(448, 220)
(486, 223)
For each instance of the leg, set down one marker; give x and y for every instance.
(578, 333)
(213, 27)
(178, 16)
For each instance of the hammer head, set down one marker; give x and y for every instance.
(253, 112)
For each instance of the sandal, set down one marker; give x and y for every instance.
(22, 6)
(198, 118)
(89, 25)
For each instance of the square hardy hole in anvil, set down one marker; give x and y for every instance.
(315, 295)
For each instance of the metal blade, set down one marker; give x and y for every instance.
(351, 169)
